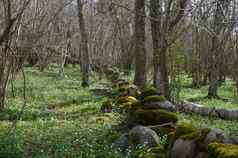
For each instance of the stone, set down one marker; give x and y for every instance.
(165, 105)
(227, 114)
(233, 140)
(183, 149)
(141, 135)
(154, 117)
(215, 135)
(220, 150)
(202, 155)
(122, 142)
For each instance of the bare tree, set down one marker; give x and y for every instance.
(85, 62)
(163, 25)
(140, 67)
(7, 55)
(216, 49)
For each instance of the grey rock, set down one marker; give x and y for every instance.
(122, 142)
(214, 135)
(141, 135)
(166, 105)
(183, 149)
(233, 140)
(227, 114)
(202, 155)
(197, 108)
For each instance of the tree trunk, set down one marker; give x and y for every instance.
(2, 98)
(164, 84)
(213, 74)
(64, 57)
(155, 31)
(140, 64)
(85, 62)
(237, 87)
(215, 49)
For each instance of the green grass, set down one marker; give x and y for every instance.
(198, 95)
(60, 117)
(58, 121)
(229, 127)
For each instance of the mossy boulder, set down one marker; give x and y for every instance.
(154, 98)
(202, 155)
(183, 149)
(163, 130)
(183, 142)
(148, 92)
(126, 99)
(127, 102)
(143, 136)
(165, 105)
(202, 136)
(155, 117)
(215, 135)
(186, 131)
(219, 150)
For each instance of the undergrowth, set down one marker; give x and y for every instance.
(59, 119)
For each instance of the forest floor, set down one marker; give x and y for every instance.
(226, 91)
(60, 117)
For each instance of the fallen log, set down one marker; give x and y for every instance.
(225, 114)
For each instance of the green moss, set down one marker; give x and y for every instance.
(155, 117)
(163, 130)
(200, 140)
(190, 136)
(135, 106)
(126, 99)
(154, 98)
(148, 92)
(219, 150)
(185, 131)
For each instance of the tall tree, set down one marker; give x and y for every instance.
(85, 61)
(216, 49)
(155, 31)
(140, 64)
(11, 17)
(163, 25)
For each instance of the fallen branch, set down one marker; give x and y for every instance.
(225, 114)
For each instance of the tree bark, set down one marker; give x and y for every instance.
(140, 64)
(164, 84)
(161, 30)
(85, 61)
(215, 49)
(155, 32)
